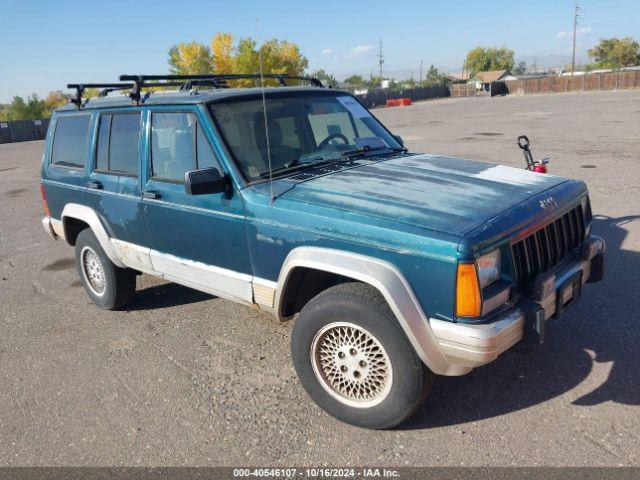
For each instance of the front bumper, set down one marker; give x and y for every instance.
(469, 346)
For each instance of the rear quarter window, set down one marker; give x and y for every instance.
(70, 141)
(117, 149)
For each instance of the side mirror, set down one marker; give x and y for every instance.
(399, 139)
(204, 181)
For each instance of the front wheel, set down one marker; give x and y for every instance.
(354, 360)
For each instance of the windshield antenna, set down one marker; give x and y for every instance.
(264, 113)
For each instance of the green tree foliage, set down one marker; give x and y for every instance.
(33, 108)
(356, 81)
(615, 53)
(483, 59)
(434, 77)
(327, 79)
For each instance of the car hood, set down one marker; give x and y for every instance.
(446, 194)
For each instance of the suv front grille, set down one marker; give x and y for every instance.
(547, 247)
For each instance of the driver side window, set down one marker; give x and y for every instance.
(324, 125)
(178, 145)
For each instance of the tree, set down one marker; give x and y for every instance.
(223, 53)
(36, 108)
(326, 78)
(31, 109)
(483, 59)
(355, 81)
(18, 109)
(226, 56)
(520, 69)
(410, 83)
(246, 59)
(434, 77)
(56, 99)
(190, 58)
(281, 57)
(615, 53)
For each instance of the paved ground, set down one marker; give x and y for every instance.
(182, 378)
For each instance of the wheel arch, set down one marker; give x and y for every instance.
(74, 216)
(381, 275)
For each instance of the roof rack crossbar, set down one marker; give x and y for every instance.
(143, 80)
(81, 87)
(136, 83)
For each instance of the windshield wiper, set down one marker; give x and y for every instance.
(361, 151)
(344, 157)
(300, 166)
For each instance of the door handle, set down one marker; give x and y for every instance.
(95, 185)
(152, 194)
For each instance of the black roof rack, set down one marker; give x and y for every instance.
(213, 80)
(106, 88)
(136, 83)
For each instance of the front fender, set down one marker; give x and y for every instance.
(389, 281)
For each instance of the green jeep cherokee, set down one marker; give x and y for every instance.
(395, 266)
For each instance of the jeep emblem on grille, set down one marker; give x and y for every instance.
(548, 203)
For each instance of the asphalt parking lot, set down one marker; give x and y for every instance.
(183, 378)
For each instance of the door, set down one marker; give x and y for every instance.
(197, 240)
(114, 181)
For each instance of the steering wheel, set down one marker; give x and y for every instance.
(326, 141)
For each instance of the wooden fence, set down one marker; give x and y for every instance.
(582, 83)
(577, 83)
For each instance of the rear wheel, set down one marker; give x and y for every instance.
(354, 360)
(109, 286)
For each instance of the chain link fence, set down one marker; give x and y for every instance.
(23, 130)
(379, 96)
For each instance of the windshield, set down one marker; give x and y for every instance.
(304, 129)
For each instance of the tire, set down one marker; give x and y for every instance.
(384, 383)
(109, 286)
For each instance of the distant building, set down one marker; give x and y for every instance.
(483, 80)
(488, 77)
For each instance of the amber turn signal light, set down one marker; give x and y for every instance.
(45, 205)
(468, 301)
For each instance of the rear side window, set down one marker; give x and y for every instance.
(178, 145)
(70, 141)
(118, 143)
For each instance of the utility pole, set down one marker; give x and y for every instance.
(380, 60)
(575, 25)
(535, 65)
(420, 84)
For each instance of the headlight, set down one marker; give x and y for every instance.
(488, 266)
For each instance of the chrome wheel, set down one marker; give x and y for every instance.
(93, 271)
(351, 364)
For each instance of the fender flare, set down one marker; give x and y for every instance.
(90, 217)
(389, 281)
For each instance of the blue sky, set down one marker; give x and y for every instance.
(46, 44)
